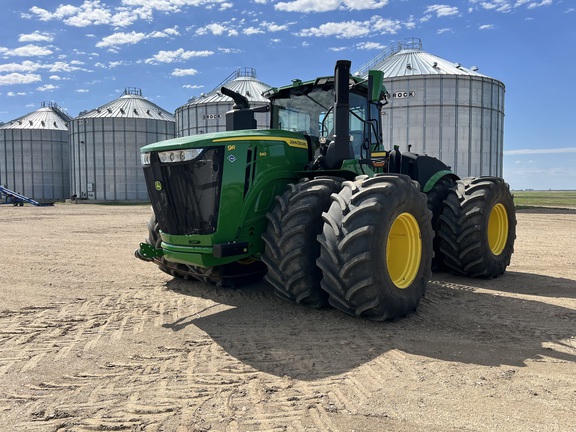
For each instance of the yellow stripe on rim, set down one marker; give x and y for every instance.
(404, 250)
(498, 229)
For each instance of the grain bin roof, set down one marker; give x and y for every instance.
(49, 117)
(242, 81)
(130, 105)
(407, 58)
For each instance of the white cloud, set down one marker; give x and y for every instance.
(506, 6)
(114, 64)
(25, 66)
(486, 27)
(370, 46)
(352, 29)
(95, 12)
(252, 31)
(230, 50)
(498, 5)
(47, 87)
(442, 10)
(12, 94)
(18, 78)
(444, 30)
(165, 33)
(63, 67)
(273, 27)
(341, 30)
(533, 5)
(173, 31)
(184, 72)
(215, 28)
(328, 5)
(36, 37)
(30, 66)
(120, 39)
(91, 12)
(157, 34)
(26, 51)
(176, 56)
(191, 86)
(81, 90)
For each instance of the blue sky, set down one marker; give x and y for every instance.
(83, 53)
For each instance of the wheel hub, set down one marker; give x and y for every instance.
(404, 250)
(497, 229)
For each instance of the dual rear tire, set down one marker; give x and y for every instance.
(477, 227)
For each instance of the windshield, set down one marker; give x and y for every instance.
(311, 113)
(302, 112)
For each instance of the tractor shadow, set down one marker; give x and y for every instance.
(459, 320)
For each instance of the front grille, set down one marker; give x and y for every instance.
(186, 195)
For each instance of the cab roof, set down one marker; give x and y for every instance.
(305, 87)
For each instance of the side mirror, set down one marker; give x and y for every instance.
(375, 85)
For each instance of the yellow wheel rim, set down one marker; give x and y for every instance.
(497, 229)
(404, 250)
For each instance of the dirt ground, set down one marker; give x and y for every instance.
(92, 339)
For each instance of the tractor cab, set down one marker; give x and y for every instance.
(349, 118)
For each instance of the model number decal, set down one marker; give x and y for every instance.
(297, 143)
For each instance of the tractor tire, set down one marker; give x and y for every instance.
(478, 227)
(229, 275)
(436, 197)
(376, 247)
(290, 242)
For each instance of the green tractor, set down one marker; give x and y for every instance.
(318, 207)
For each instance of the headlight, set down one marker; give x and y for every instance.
(145, 158)
(179, 155)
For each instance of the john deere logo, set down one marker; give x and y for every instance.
(158, 185)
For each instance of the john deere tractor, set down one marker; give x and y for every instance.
(318, 206)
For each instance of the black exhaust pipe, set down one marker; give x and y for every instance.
(241, 116)
(342, 110)
(340, 148)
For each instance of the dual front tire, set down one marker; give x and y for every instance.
(366, 245)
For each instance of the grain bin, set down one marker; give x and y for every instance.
(105, 147)
(443, 109)
(34, 154)
(207, 113)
